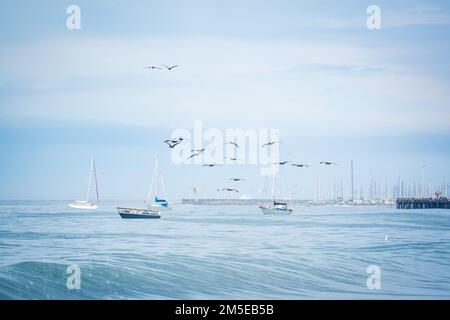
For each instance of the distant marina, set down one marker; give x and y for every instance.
(300, 202)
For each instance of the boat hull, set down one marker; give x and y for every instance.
(83, 206)
(132, 213)
(275, 211)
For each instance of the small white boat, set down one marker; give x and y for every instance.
(135, 213)
(87, 204)
(279, 208)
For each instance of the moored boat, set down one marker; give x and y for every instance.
(87, 204)
(158, 203)
(279, 208)
(84, 205)
(136, 213)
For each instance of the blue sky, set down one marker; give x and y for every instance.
(309, 68)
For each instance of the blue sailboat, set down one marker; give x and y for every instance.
(158, 202)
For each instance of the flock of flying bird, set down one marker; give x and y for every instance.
(172, 143)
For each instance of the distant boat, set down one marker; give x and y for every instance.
(153, 210)
(277, 208)
(134, 213)
(158, 203)
(87, 204)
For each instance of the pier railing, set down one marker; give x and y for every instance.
(423, 203)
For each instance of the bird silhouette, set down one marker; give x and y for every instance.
(194, 155)
(198, 150)
(170, 68)
(153, 68)
(299, 165)
(174, 141)
(230, 190)
(270, 143)
(327, 163)
(210, 165)
(172, 144)
(281, 163)
(233, 143)
(237, 179)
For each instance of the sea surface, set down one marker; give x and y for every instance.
(223, 252)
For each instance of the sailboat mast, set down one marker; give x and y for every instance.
(156, 176)
(273, 182)
(95, 177)
(90, 180)
(154, 180)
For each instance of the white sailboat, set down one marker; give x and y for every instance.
(276, 208)
(155, 202)
(87, 204)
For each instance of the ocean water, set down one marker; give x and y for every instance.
(229, 252)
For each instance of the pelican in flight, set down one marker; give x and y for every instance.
(172, 143)
(233, 143)
(230, 190)
(301, 165)
(281, 163)
(198, 150)
(326, 163)
(194, 155)
(170, 68)
(270, 143)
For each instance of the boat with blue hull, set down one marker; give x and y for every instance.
(134, 213)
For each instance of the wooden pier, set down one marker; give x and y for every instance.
(423, 203)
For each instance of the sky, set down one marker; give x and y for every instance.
(312, 69)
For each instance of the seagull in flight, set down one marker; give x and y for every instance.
(328, 163)
(270, 143)
(233, 143)
(210, 165)
(153, 68)
(170, 68)
(300, 165)
(230, 190)
(237, 179)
